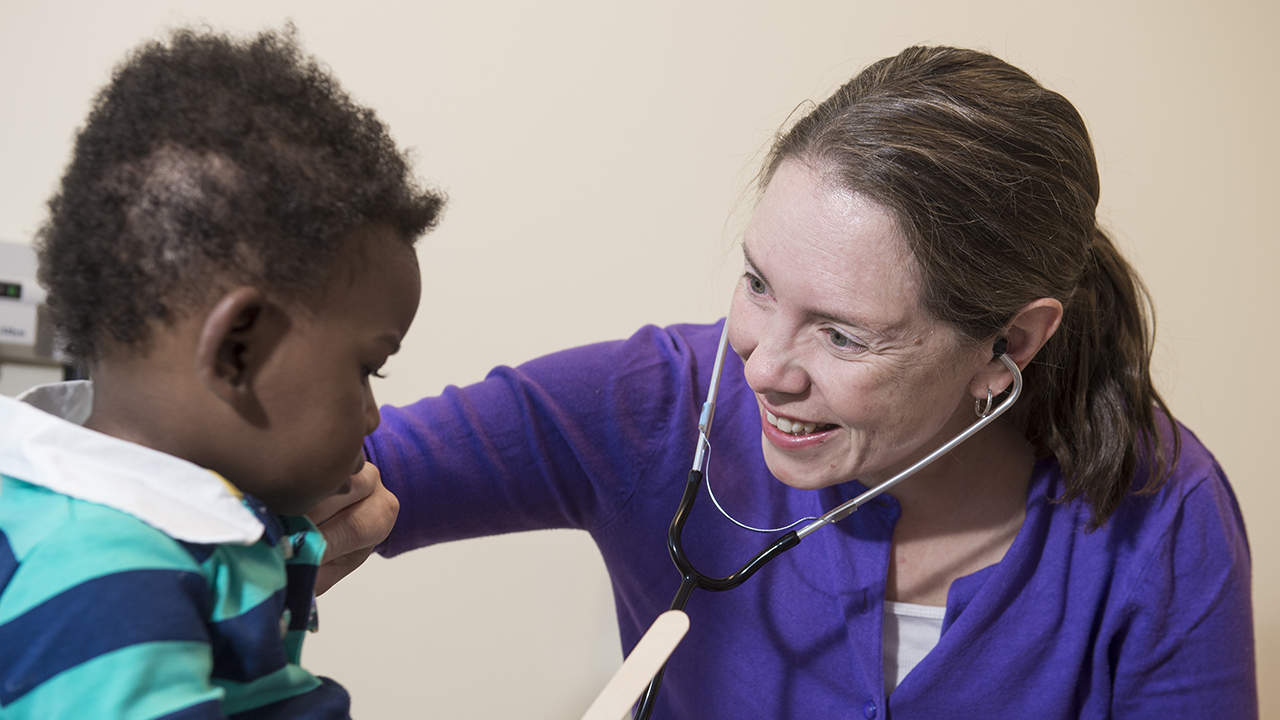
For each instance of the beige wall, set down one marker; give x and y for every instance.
(596, 155)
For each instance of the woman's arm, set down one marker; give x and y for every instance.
(559, 442)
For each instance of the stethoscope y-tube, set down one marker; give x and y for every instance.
(691, 578)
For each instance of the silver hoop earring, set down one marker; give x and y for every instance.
(983, 409)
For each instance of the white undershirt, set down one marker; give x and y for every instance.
(910, 632)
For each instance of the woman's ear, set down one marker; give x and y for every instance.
(1029, 330)
(235, 340)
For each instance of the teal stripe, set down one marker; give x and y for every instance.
(136, 683)
(243, 577)
(286, 682)
(313, 546)
(61, 542)
(31, 511)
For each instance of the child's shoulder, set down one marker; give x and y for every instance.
(95, 598)
(86, 473)
(31, 514)
(50, 542)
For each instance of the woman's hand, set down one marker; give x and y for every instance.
(353, 524)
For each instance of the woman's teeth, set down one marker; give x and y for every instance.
(788, 426)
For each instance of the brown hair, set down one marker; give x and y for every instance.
(992, 179)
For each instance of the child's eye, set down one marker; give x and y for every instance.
(372, 372)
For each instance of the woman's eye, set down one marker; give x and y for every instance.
(842, 341)
(755, 284)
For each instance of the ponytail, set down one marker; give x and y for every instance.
(1093, 404)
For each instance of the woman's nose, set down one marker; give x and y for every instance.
(774, 365)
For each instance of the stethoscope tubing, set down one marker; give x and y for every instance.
(691, 578)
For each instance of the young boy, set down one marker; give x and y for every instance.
(231, 256)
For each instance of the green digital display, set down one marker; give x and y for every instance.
(10, 290)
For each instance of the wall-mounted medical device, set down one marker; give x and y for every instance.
(26, 331)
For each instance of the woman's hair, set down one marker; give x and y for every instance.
(209, 160)
(992, 180)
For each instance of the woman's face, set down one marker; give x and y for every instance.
(854, 380)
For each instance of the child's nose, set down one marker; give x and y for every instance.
(372, 417)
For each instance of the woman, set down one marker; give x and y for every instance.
(1083, 556)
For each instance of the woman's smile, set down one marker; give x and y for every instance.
(791, 435)
(793, 427)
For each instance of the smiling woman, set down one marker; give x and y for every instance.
(936, 211)
(828, 322)
(992, 180)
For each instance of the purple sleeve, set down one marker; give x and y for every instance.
(560, 442)
(1189, 649)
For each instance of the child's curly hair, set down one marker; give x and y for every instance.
(208, 161)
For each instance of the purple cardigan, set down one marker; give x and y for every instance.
(1148, 617)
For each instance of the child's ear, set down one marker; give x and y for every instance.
(235, 340)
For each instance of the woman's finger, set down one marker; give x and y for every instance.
(363, 483)
(353, 525)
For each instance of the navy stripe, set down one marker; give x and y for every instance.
(8, 563)
(198, 551)
(272, 529)
(207, 710)
(96, 617)
(326, 702)
(248, 646)
(301, 587)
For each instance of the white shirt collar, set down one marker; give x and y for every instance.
(42, 443)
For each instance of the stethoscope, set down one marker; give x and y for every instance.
(691, 578)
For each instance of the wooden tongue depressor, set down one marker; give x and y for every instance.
(624, 688)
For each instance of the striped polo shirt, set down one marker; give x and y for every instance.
(134, 584)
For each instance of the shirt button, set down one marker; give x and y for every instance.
(869, 710)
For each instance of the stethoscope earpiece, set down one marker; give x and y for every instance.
(1000, 347)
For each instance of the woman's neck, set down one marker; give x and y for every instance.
(960, 517)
